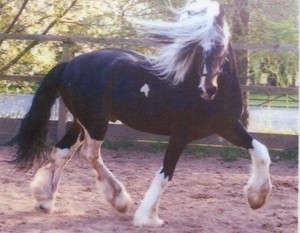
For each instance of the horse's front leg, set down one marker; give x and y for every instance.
(147, 212)
(259, 184)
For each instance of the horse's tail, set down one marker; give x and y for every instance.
(31, 138)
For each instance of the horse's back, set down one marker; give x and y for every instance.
(88, 78)
(94, 64)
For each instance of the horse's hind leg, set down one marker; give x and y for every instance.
(113, 190)
(44, 184)
(259, 184)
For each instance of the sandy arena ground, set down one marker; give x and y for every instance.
(205, 196)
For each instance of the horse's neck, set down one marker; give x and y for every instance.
(232, 60)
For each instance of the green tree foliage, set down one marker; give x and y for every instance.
(274, 22)
(84, 18)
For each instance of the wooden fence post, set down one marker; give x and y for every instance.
(62, 110)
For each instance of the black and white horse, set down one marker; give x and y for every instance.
(188, 91)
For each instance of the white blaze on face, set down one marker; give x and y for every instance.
(145, 89)
(203, 79)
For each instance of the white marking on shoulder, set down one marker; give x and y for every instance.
(145, 89)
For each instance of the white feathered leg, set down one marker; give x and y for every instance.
(147, 212)
(259, 184)
(45, 182)
(113, 190)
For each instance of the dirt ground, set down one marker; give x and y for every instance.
(205, 196)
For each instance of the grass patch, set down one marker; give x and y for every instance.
(157, 147)
(229, 153)
(290, 154)
(285, 101)
(118, 144)
(200, 151)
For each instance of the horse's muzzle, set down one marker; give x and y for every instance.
(210, 93)
(209, 86)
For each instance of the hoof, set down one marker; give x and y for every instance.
(117, 197)
(147, 218)
(257, 197)
(44, 206)
(145, 221)
(122, 201)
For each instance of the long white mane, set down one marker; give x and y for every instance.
(194, 27)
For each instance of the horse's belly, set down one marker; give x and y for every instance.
(146, 121)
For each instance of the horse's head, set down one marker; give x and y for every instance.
(213, 61)
(198, 42)
(213, 57)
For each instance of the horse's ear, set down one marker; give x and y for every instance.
(221, 17)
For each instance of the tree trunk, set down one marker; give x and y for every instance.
(239, 32)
